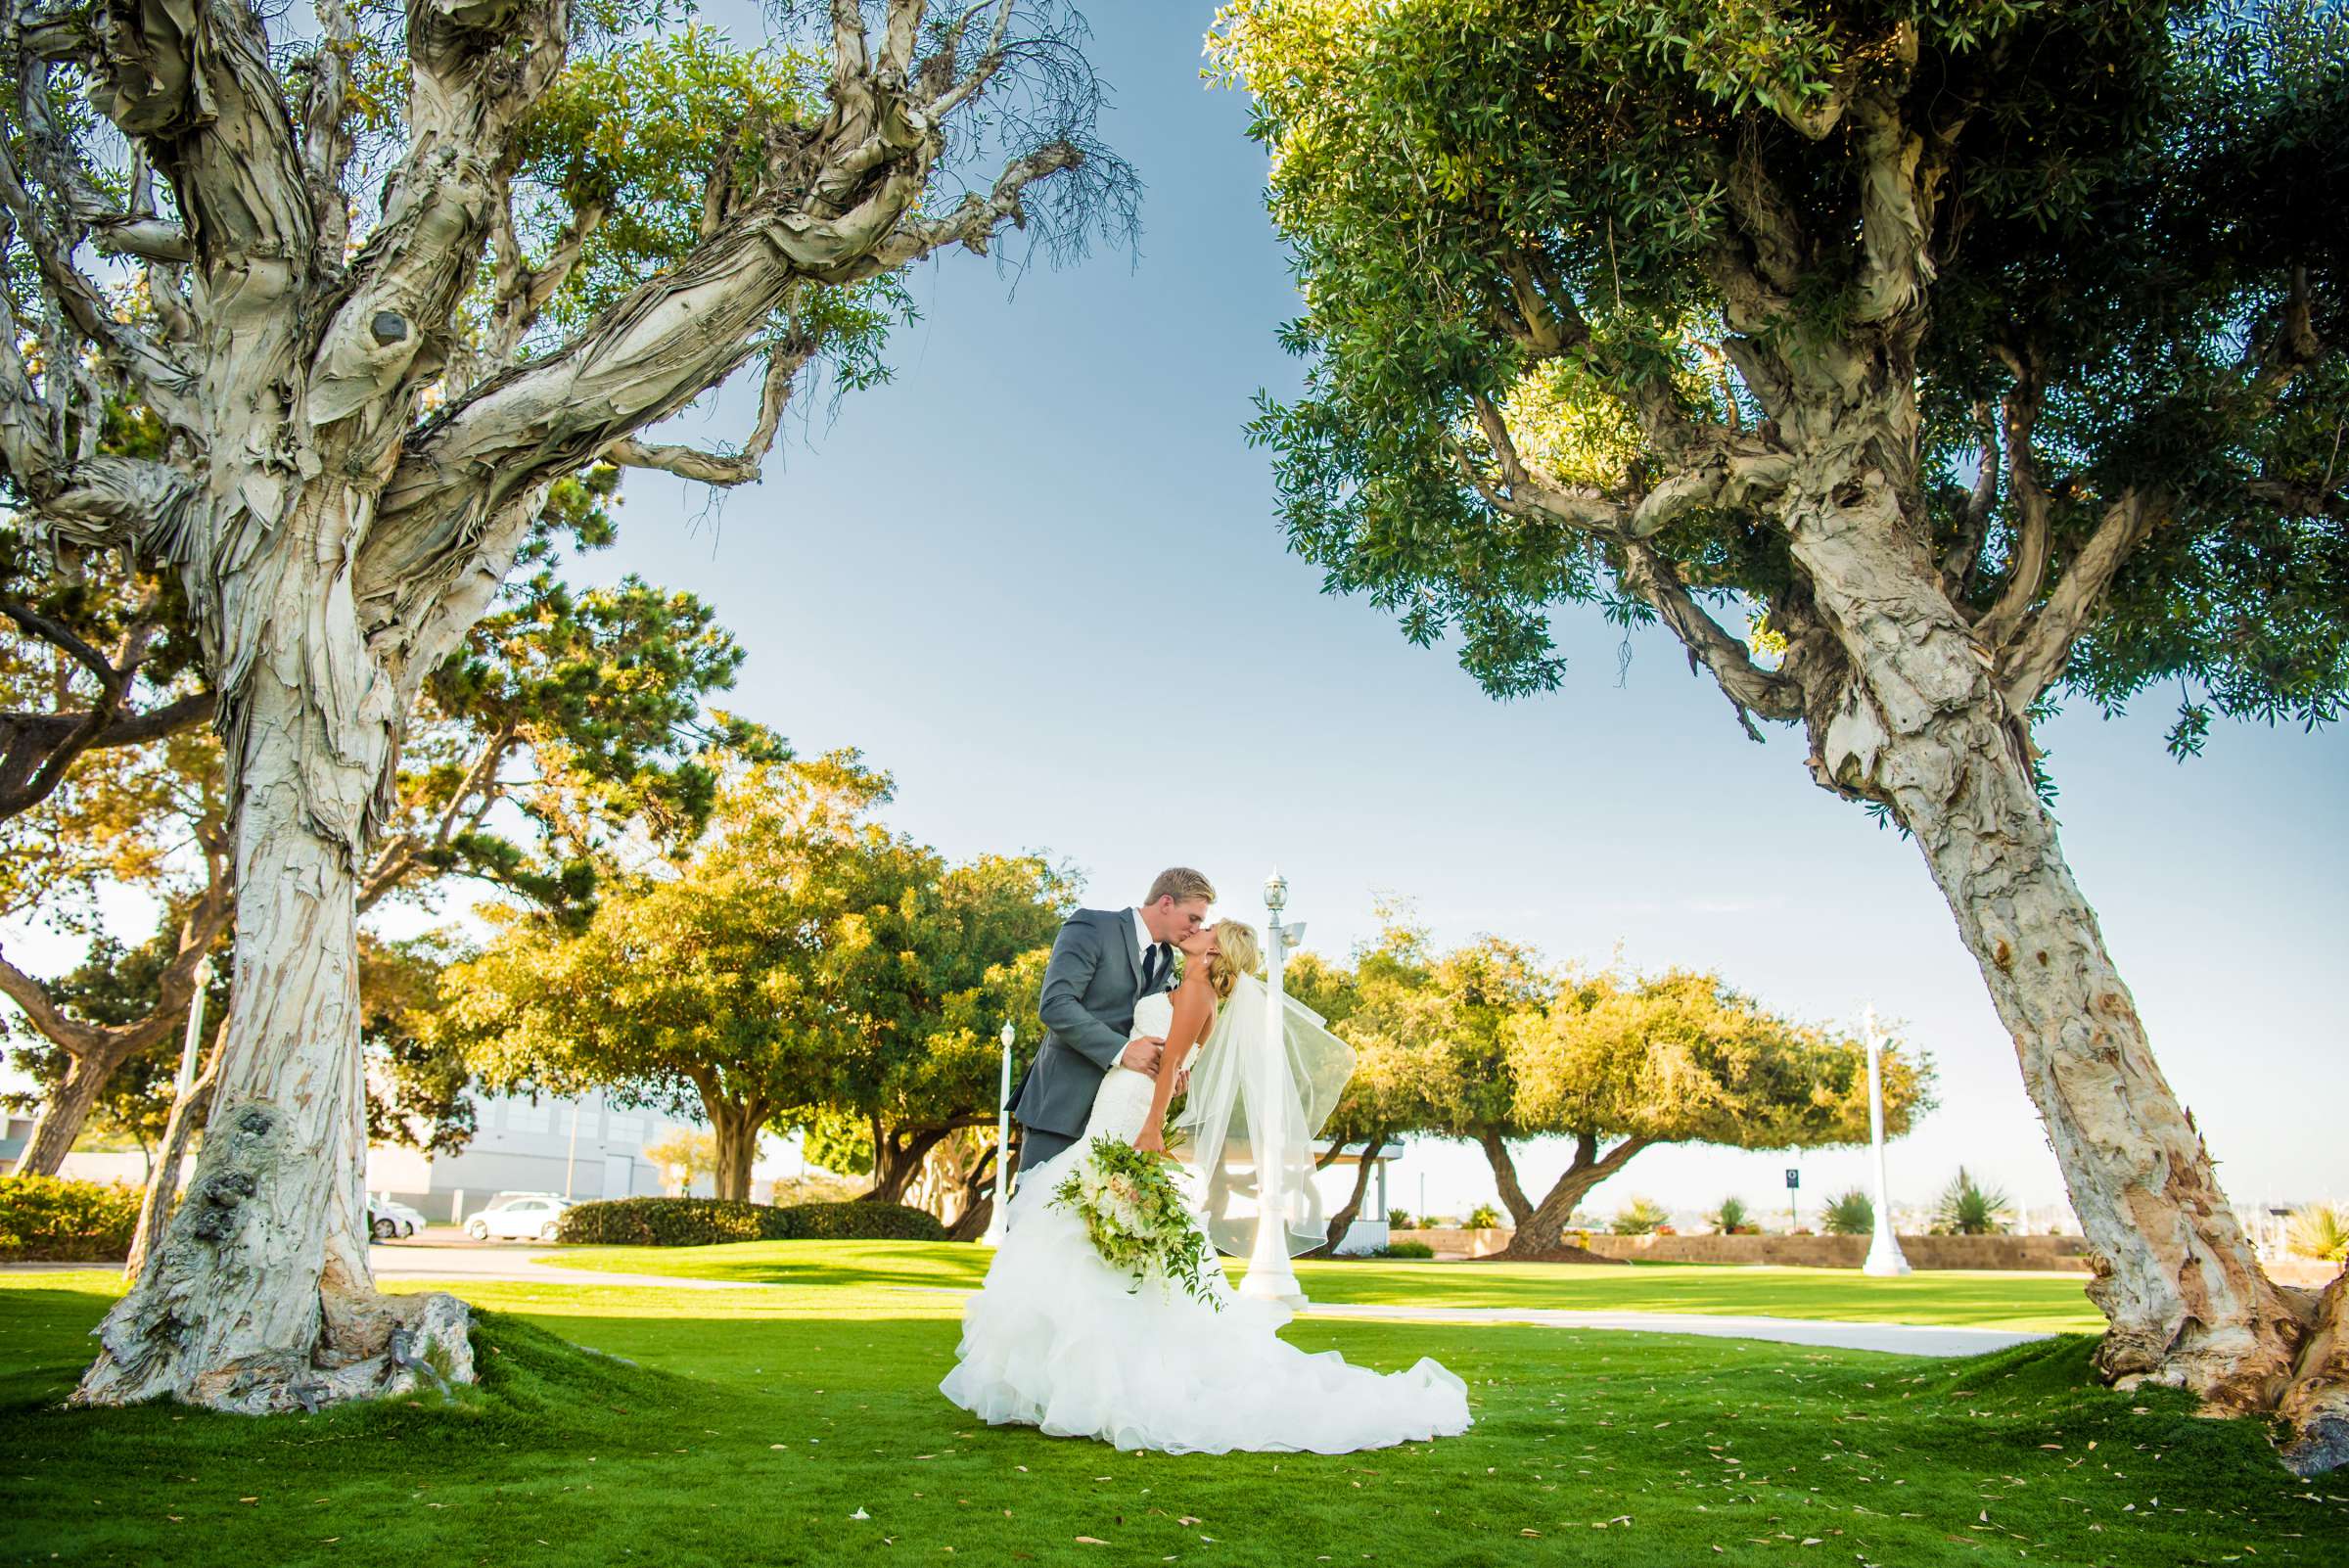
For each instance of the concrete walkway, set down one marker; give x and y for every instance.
(518, 1264)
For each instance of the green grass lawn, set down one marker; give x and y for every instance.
(2029, 1303)
(754, 1425)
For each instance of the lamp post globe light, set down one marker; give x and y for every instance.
(1269, 1277)
(999, 1218)
(1884, 1256)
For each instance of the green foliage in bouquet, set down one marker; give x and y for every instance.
(1137, 1217)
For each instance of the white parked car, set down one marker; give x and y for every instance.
(530, 1217)
(388, 1218)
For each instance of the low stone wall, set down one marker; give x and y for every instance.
(2068, 1252)
(2065, 1253)
(1455, 1241)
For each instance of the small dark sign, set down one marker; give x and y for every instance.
(1794, 1178)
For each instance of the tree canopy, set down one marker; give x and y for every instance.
(1488, 1043)
(805, 967)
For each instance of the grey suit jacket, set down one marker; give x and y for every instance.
(1090, 987)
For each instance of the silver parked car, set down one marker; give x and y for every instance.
(388, 1218)
(526, 1216)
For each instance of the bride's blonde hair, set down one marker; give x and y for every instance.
(1236, 954)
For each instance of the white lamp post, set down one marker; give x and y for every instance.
(191, 1042)
(1001, 1219)
(1885, 1248)
(1269, 1277)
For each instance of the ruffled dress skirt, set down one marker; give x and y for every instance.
(1058, 1340)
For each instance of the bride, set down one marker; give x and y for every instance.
(1057, 1339)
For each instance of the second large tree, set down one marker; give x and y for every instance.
(1977, 351)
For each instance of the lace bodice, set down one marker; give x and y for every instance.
(1123, 1103)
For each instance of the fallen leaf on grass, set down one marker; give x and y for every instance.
(860, 1514)
(1090, 1541)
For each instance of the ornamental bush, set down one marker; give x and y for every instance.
(1405, 1249)
(701, 1222)
(1851, 1213)
(51, 1220)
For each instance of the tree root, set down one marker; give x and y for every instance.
(210, 1321)
(2316, 1402)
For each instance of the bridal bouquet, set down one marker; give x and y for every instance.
(1137, 1217)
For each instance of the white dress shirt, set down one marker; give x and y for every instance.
(1143, 942)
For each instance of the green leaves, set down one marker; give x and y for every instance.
(1605, 229)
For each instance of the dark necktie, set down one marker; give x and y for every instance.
(1153, 965)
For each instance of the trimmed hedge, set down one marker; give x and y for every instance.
(53, 1219)
(1405, 1249)
(701, 1222)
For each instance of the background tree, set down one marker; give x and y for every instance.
(804, 966)
(92, 659)
(379, 287)
(1371, 1008)
(1620, 1064)
(684, 1155)
(150, 820)
(1978, 353)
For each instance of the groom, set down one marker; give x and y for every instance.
(1102, 964)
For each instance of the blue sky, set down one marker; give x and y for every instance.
(1039, 578)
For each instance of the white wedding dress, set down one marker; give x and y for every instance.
(1059, 1340)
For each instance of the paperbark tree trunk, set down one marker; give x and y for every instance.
(260, 1298)
(1540, 1234)
(1923, 727)
(66, 1113)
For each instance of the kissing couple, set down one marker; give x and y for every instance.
(1059, 1339)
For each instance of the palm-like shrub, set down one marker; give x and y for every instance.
(1970, 1209)
(1399, 1219)
(1639, 1219)
(1732, 1217)
(2317, 1230)
(1851, 1213)
(1483, 1216)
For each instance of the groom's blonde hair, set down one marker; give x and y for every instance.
(1181, 884)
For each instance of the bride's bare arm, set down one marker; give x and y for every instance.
(1194, 1008)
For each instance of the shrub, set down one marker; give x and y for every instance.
(1639, 1220)
(53, 1219)
(1851, 1213)
(701, 1222)
(1399, 1219)
(1970, 1209)
(2317, 1230)
(1483, 1216)
(1732, 1218)
(1406, 1249)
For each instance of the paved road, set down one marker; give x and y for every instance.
(516, 1261)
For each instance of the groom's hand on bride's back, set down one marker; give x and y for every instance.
(1141, 1055)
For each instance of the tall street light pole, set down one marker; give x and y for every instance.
(1270, 1276)
(1885, 1255)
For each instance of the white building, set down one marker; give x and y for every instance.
(585, 1149)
